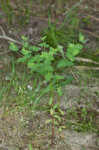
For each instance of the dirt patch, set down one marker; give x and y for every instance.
(18, 130)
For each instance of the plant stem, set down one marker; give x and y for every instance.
(53, 131)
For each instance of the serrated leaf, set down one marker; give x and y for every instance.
(13, 47)
(24, 38)
(26, 45)
(73, 49)
(70, 56)
(25, 52)
(64, 63)
(44, 45)
(35, 48)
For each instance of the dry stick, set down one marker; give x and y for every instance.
(3, 32)
(4, 36)
(86, 68)
(10, 39)
(86, 60)
(75, 77)
(53, 131)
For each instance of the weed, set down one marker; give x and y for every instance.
(47, 64)
(65, 32)
(62, 35)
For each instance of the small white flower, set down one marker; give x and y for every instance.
(29, 87)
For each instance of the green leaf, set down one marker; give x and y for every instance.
(81, 38)
(34, 67)
(24, 59)
(24, 38)
(34, 48)
(68, 80)
(13, 47)
(51, 101)
(25, 52)
(61, 50)
(61, 112)
(59, 91)
(70, 56)
(57, 117)
(43, 38)
(48, 76)
(73, 50)
(55, 106)
(64, 63)
(58, 77)
(44, 45)
(26, 45)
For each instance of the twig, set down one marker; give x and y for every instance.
(3, 32)
(10, 39)
(86, 68)
(75, 76)
(3, 36)
(53, 131)
(86, 60)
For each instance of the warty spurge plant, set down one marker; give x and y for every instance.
(48, 64)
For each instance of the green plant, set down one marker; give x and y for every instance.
(47, 64)
(65, 32)
(62, 34)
